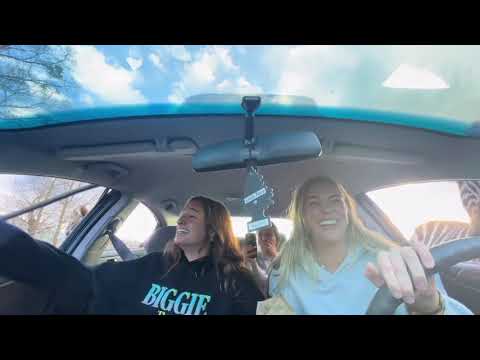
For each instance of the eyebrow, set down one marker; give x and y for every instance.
(316, 197)
(193, 209)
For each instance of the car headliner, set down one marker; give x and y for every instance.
(361, 155)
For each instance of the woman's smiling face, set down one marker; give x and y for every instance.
(191, 226)
(325, 212)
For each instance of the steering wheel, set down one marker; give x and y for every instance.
(446, 255)
(4, 282)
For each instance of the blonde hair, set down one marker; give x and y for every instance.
(297, 253)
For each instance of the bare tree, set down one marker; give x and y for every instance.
(28, 194)
(33, 77)
(49, 223)
(61, 221)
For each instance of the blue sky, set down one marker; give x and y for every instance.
(429, 80)
(153, 74)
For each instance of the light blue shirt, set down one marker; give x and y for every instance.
(346, 291)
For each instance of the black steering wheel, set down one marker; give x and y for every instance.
(4, 281)
(446, 255)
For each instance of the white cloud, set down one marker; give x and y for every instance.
(155, 59)
(26, 112)
(112, 83)
(135, 63)
(87, 99)
(410, 77)
(201, 72)
(313, 71)
(199, 76)
(59, 97)
(207, 65)
(240, 86)
(244, 86)
(224, 57)
(179, 52)
(225, 84)
(51, 93)
(175, 98)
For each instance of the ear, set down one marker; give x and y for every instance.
(211, 232)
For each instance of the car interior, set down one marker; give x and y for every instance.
(148, 159)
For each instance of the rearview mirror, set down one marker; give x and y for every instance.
(268, 149)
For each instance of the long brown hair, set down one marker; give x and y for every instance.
(224, 247)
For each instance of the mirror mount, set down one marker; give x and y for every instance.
(258, 196)
(250, 104)
(251, 152)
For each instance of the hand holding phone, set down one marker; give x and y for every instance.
(251, 245)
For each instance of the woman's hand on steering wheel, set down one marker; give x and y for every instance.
(402, 270)
(474, 229)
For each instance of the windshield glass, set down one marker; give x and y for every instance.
(436, 81)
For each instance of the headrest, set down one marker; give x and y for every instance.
(158, 240)
(469, 193)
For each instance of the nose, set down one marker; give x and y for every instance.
(181, 221)
(327, 209)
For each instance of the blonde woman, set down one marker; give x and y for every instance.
(333, 264)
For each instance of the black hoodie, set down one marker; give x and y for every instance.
(144, 286)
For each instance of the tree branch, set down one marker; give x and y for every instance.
(24, 106)
(37, 81)
(25, 60)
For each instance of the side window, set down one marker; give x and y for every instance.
(431, 212)
(51, 223)
(138, 225)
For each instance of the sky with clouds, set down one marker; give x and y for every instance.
(432, 80)
(159, 74)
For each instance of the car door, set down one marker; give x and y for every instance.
(52, 211)
(431, 212)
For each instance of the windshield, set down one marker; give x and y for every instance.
(437, 81)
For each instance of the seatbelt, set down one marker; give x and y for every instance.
(118, 244)
(121, 248)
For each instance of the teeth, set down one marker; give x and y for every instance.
(328, 222)
(182, 231)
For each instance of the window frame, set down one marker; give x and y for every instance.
(380, 218)
(389, 222)
(48, 202)
(98, 232)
